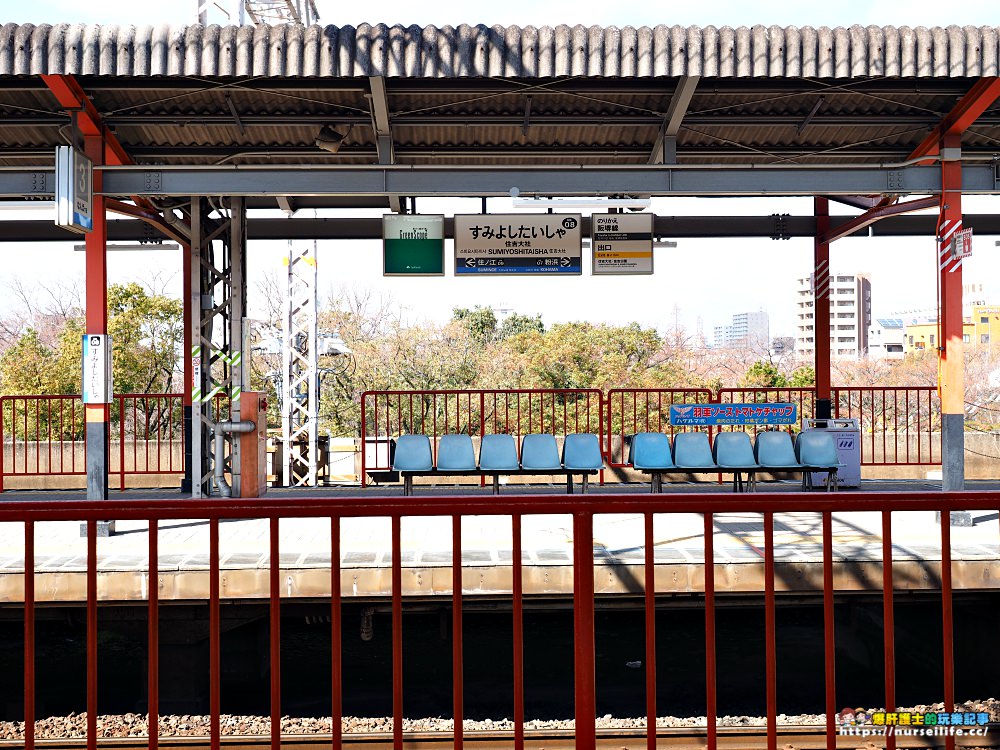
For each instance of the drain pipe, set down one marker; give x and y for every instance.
(221, 428)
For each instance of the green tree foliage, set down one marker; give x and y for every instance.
(802, 377)
(147, 332)
(486, 328)
(763, 375)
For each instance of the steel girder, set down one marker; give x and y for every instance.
(459, 181)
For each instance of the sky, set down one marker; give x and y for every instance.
(687, 290)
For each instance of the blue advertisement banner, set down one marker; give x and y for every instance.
(708, 415)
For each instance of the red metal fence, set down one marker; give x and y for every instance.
(632, 410)
(582, 509)
(387, 414)
(900, 426)
(44, 436)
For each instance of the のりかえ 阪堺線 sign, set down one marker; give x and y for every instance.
(708, 415)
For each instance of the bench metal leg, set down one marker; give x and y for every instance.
(583, 484)
(496, 484)
(407, 485)
(569, 484)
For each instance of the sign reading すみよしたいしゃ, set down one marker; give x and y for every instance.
(518, 244)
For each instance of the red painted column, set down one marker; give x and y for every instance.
(188, 357)
(96, 303)
(951, 376)
(821, 309)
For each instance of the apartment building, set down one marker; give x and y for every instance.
(745, 329)
(850, 316)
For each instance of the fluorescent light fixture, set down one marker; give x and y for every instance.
(595, 202)
(112, 247)
(27, 205)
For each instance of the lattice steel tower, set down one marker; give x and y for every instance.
(266, 12)
(300, 370)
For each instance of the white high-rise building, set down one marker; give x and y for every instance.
(746, 329)
(850, 316)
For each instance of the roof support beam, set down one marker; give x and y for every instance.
(71, 96)
(977, 100)
(665, 146)
(370, 228)
(379, 102)
(364, 181)
(876, 213)
(864, 202)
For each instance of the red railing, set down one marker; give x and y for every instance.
(44, 436)
(582, 509)
(899, 426)
(632, 410)
(387, 414)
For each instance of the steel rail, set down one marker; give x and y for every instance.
(801, 737)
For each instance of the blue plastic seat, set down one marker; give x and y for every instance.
(692, 451)
(413, 453)
(774, 450)
(650, 451)
(582, 452)
(817, 449)
(540, 452)
(733, 450)
(455, 453)
(498, 453)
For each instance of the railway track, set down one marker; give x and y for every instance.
(729, 738)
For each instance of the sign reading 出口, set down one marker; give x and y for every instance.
(412, 245)
(622, 243)
(708, 415)
(518, 244)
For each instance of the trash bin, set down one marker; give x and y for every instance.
(379, 452)
(847, 438)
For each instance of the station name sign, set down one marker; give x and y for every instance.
(412, 245)
(622, 243)
(708, 415)
(74, 190)
(518, 244)
(97, 382)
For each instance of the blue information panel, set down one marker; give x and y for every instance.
(489, 244)
(708, 415)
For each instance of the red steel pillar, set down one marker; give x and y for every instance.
(188, 355)
(821, 308)
(951, 376)
(96, 285)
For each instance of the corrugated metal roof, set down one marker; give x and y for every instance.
(498, 51)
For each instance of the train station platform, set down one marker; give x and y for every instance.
(547, 551)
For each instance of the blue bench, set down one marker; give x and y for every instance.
(812, 451)
(653, 454)
(732, 453)
(498, 457)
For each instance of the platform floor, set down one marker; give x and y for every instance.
(60, 552)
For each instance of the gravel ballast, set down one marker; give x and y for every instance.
(136, 725)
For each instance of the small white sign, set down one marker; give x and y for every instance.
(622, 243)
(74, 190)
(961, 244)
(98, 384)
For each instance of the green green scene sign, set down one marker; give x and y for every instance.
(412, 245)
